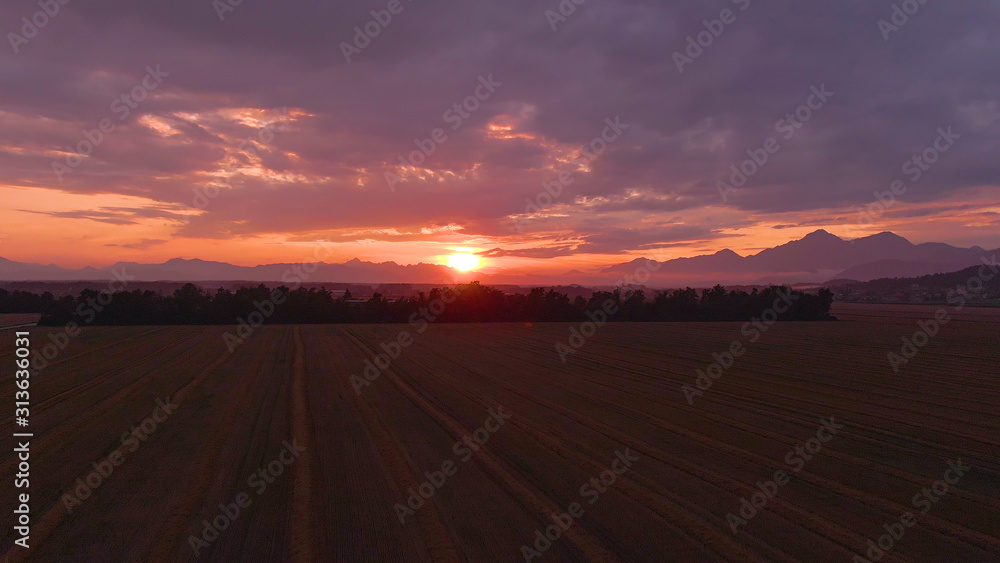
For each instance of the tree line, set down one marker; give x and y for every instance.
(471, 302)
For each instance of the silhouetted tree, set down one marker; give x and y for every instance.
(471, 302)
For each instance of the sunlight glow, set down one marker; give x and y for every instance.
(463, 262)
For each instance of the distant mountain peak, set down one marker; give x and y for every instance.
(195, 262)
(884, 242)
(884, 235)
(816, 257)
(821, 234)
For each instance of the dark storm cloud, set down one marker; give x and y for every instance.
(610, 58)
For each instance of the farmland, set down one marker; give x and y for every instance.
(18, 319)
(507, 434)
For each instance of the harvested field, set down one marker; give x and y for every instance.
(8, 320)
(902, 314)
(620, 392)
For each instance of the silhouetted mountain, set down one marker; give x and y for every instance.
(900, 269)
(178, 269)
(722, 262)
(817, 257)
(884, 242)
(819, 250)
(976, 284)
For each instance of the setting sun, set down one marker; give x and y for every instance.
(463, 262)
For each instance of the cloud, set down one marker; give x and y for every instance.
(118, 215)
(529, 252)
(142, 244)
(324, 170)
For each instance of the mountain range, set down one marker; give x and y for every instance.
(179, 269)
(818, 257)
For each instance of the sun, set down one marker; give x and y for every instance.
(463, 262)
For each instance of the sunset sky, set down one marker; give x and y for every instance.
(261, 108)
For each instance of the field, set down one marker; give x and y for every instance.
(510, 435)
(18, 319)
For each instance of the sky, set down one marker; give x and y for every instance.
(408, 131)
